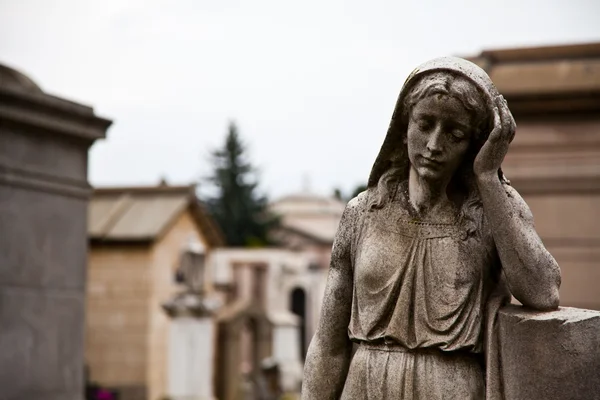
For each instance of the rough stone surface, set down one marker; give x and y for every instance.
(35, 220)
(552, 355)
(42, 347)
(44, 192)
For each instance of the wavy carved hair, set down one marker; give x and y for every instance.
(471, 98)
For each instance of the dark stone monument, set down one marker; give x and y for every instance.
(44, 142)
(426, 258)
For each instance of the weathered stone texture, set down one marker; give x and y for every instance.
(42, 348)
(551, 355)
(42, 235)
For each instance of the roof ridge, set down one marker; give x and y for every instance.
(141, 190)
(123, 204)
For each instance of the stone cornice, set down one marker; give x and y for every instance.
(39, 181)
(49, 113)
(553, 105)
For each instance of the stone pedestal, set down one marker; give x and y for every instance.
(192, 347)
(44, 142)
(191, 358)
(286, 352)
(552, 355)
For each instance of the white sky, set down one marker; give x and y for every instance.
(311, 84)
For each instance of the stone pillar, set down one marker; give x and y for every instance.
(549, 355)
(44, 142)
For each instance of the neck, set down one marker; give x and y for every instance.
(425, 195)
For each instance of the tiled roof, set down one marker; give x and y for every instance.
(143, 213)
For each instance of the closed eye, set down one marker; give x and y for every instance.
(424, 124)
(458, 134)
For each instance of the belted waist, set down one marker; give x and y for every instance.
(391, 346)
(395, 347)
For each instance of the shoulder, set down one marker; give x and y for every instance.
(359, 203)
(350, 220)
(351, 213)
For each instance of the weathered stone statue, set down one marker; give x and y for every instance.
(426, 256)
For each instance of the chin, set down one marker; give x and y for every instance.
(430, 175)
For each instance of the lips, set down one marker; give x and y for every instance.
(431, 161)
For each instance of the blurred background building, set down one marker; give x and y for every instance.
(136, 236)
(554, 161)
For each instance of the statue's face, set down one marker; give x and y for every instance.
(438, 137)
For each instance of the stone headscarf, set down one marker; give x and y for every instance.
(397, 126)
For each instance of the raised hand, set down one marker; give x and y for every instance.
(492, 153)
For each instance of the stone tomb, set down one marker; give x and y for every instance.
(44, 192)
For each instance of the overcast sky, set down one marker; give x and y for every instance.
(311, 84)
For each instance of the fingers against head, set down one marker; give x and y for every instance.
(508, 122)
(497, 131)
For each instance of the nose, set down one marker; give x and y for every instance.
(434, 144)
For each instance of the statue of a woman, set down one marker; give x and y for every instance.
(424, 258)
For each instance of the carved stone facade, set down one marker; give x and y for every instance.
(44, 192)
(258, 319)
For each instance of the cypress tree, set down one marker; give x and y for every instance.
(237, 206)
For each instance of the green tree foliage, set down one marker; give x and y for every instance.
(337, 193)
(238, 208)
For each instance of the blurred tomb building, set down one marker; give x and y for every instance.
(172, 312)
(44, 194)
(308, 225)
(137, 235)
(286, 281)
(554, 161)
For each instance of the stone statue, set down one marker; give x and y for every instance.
(426, 256)
(191, 268)
(193, 299)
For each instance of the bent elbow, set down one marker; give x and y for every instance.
(551, 303)
(547, 302)
(549, 298)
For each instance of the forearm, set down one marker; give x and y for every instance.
(325, 371)
(532, 273)
(329, 354)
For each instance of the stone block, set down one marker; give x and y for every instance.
(48, 154)
(46, 239)
(550, 355)
(44, 192)
(42, 344)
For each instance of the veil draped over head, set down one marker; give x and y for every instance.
(397, 128)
